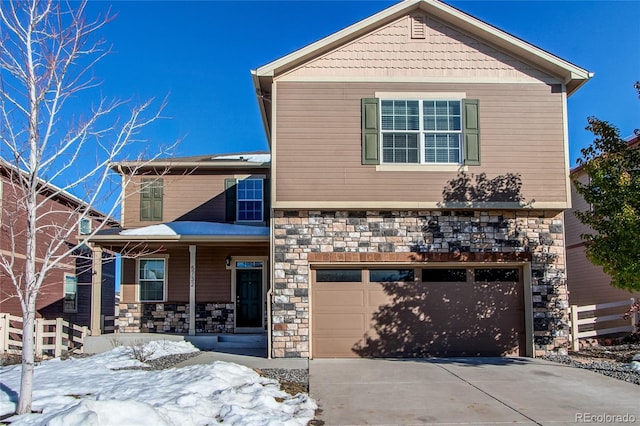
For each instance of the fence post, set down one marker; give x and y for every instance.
(634, 316)
(59, 333)
(38, 336)
(574, 328)
(4, 333)
(85, 333)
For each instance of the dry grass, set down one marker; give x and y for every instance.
(10, 359)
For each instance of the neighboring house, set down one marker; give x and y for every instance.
(195, 245)
(420, 174)
(587, 283)
(418, 177)
(69, 288)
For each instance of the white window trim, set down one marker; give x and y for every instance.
(261, 179)
(427, 167)
(80, 226)
(265, 268)
(64, 294)
(165, 258)
(421, 132)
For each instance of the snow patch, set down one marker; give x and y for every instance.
(95, 391)
(198, 228)
(252, 158)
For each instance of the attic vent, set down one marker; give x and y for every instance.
(418, 27)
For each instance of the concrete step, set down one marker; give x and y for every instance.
(228, 341)
(243, 338)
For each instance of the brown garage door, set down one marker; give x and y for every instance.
(417, 312)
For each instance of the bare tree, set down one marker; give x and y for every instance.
(47, 52)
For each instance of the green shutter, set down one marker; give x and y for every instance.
(145, 200)
(230, 199)
(266, 199)
(370, 131)
(151, 193)
(471, 131)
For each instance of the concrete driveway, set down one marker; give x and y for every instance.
(467, 391)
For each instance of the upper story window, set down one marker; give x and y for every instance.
(250, 200)
(85, 226)
(421, 131)
(151, 193)
(247, 199)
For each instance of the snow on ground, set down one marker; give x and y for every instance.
(96, 391)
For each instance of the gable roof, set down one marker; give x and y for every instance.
(57, 194)
(572, 75)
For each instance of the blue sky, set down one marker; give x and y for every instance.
(200, 54)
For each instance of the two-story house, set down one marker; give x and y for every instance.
(419, 177)
(194, 245)
(69, 290)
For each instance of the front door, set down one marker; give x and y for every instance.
(249, 298)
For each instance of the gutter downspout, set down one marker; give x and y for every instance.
(271, 283)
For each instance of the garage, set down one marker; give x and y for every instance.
(418, 312)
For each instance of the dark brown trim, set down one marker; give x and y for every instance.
(418, 257)
(576, 245)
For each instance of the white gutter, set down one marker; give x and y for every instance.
(261, 101)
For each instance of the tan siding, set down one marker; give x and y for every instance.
(318, 142)
(575, 228)
(189, 196)
(588, 284)
(213, 279)
(128, 284)
(178, 275)
(128, 293)
(444, 52)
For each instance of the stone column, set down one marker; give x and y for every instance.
(192, 290)
(96, 290)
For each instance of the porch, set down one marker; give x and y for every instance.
(191, 278)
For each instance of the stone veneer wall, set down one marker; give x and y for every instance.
(174, 318)
(306, 237)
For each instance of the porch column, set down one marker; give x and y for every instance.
(96, 290)
(192, 290)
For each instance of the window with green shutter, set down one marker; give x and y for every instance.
(151, 192)
(420, 131)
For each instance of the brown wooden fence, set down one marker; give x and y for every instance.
(52, 337)
(587, 317)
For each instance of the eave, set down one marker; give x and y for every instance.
(123, 239)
